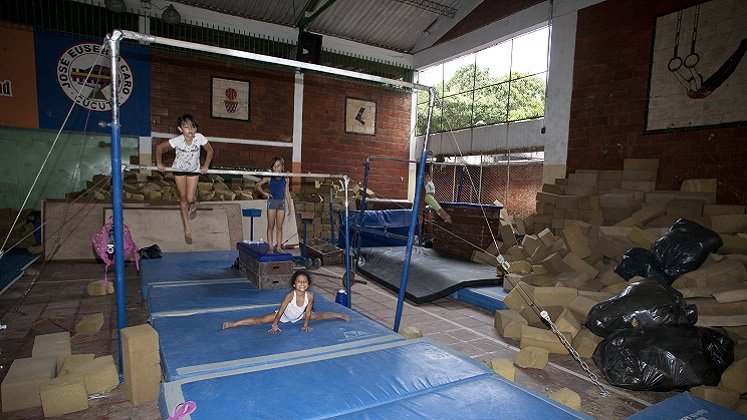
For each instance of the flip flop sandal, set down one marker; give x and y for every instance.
(182, 410)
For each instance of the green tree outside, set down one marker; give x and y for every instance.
(471, 97)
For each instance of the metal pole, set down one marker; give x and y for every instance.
(361, 212)
(414, 215)
(346, 182)
(117, 195)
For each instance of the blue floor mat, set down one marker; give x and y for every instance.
(431, 276)
(12, 265)
(187, 299)
(181, 337)
(686, 406)
(187, 267)
(489, 298)
(389, 380)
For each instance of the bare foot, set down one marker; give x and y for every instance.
(227, 325)
(343, 317)
(188, 238)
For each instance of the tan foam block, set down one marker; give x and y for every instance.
(543, 338)
(577, 241)
(723, 397)
(546, 197)
(735, 377)
(140, 345)
(410, 332)
(721, 273)
(588, 179)
(72, 360)
(566, 201)
(533, 318)
(580, 190)
(547, 296)
(142, 385)
(572, 279)
(546, 237)
(64, 395)
(639, 175)
(552, 189)
(98, 288)
(508, 323)
(567, 323)
(722, 209)
(510, 280)
(566, 397)
(740, 350)
(482, 257)
(685, 207)
(507, 235)
(577, 264)
(642, 238)
(532, 357)
(517, 252)
(585, 342)
(520, 267)
(730, 223)
(100, 374)
(516, 299)
(733, 244)
(503, 367)
(580, 306)
(90, 324)
(554, 263)
(55, 344)
(609, 278)
(615, 288)
(640, 187)
(542, 280)
(735, 295)
(21, 386)
(617, 201)
(660, 196)
(588, 203)
(699, 185)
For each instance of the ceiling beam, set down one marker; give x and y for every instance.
(442, 25)
(304, 21)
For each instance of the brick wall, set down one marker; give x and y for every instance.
(182, 84)
(327, 148)
(608, 106)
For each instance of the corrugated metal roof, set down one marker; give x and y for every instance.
(391, 24)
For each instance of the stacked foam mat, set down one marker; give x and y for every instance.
(353, 369)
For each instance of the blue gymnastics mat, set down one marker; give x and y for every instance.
(686, 406)
(187, 267)
(431, 276)
(215, 296)
(182, 337)
(407, 378)
(489, 298)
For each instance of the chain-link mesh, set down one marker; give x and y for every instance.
(513, 184)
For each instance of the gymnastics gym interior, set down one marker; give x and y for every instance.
(517, 209)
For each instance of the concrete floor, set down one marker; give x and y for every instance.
(60, 294)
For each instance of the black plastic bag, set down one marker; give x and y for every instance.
(672, 357)
(640, 262)
(643, 304)
(684, 248)
(153, 251)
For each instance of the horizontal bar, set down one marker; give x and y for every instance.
(382, 157)
(238, 172)
(267, 59)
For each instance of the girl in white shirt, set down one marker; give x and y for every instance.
(186, 166)
(297, 304)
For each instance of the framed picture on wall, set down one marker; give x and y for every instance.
(230, 98)
(696, 79)
(360, 116)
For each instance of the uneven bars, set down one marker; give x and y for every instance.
(267, 59)
(237, 172)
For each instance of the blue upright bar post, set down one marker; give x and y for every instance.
(114, 39)
(362, 210)
(414, 215)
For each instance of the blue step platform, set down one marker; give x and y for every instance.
(402, 379)
(489, 298)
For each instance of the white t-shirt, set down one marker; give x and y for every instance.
(430, 188)
(187, 156)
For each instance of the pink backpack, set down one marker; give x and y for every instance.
(103, 244)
